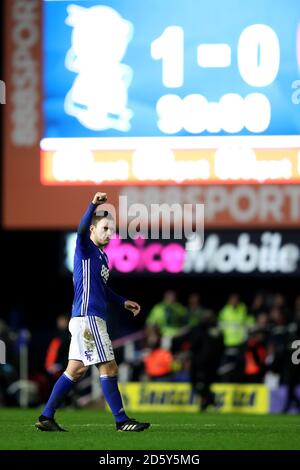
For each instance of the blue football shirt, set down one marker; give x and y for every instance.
(91, 272)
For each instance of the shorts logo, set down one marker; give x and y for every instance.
(105, 273)
(88, 354)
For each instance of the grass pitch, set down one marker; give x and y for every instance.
(95, 430)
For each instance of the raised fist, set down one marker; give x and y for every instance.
(99, 198)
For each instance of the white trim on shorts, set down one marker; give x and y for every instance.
(90, 342)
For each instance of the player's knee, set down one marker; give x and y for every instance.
(77, 374)
(113, 370)
(80, 373)
(109, 368)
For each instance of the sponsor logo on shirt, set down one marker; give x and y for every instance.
(104, 273)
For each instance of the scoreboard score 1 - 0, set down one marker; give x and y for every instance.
(205, 88)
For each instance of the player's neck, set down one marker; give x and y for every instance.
(96, 243)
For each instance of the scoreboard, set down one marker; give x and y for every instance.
(171, 81)
(125, 93)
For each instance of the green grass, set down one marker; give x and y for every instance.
(92, 429)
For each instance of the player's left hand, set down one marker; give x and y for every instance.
(132, 306)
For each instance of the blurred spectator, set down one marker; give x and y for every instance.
(157, 361)
(277, 341)
(57, 353)
(279, 301)
(181, 342)
(255, 357)
(195, 311)
(234, 322)
(206, 351)
(258, 305)
(169, 315)
(262, 322)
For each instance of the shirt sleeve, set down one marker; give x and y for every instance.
(83, 231)
(113, 297)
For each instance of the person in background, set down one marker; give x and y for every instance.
(255, 356)
(234, 322)
(206, 351)
(158, 361)
(195, 311)
(170, 317)
(57, 353)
